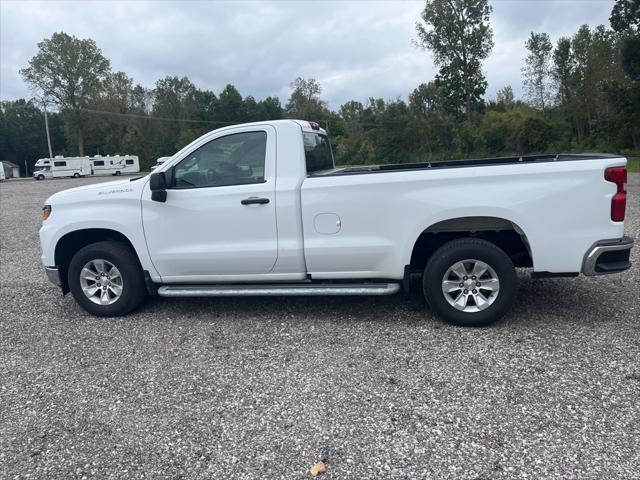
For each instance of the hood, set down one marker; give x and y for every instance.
(104, 189)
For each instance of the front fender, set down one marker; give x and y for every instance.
(91, 210)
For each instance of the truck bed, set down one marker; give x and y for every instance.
(478, 162)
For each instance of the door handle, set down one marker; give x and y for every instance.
(254, 200)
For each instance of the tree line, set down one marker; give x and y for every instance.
(580, 94)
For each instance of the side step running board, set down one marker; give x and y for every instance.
(277, 290)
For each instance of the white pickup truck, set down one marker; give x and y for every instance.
(261, 209)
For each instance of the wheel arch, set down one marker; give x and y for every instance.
(71, 242)
(502, 232)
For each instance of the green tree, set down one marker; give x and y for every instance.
(120, 97)
(562, 70)
(536, 72)
(584, 69)
(351, 114)
(625, 93)
(68, 71)
(505, 97)
(22, 133)
(347, 133)
(186, 136)
(250, 109)
(625, 19)
(270, 108)
(430, 124)
(625, 15)
(460, 37)
(230, 105)
(426, 98)
(174, 101)
(304, 102)
(533, 135)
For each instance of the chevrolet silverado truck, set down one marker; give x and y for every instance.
(261, 209)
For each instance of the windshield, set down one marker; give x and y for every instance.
(317, 152)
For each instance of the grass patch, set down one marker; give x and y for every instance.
(633, 164)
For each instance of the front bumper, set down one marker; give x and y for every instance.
(608, 256)
(53, 274)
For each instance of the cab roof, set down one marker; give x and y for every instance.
(307, 126)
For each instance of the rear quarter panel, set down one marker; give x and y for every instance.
(562, 207)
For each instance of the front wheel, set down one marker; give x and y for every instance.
(470, 282)
(106, 280)
(40, 177)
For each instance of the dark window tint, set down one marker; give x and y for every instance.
(232, 160)
(317, 152)
(129, 162)
(98, 163)
(59, 164)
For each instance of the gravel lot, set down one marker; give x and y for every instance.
(266, 387)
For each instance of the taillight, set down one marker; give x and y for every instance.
(618, 175)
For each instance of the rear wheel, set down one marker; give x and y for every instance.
(76, 175)
(106, 280)
(470, 282)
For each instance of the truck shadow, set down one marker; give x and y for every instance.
(337, 308)
(540, 301)
(564, 299)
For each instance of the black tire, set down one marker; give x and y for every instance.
(76, 175)
(40, 177)
(463, 249)
(126, 261)
(118, 173)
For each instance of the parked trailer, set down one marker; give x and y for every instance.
(114, 165)
(62, 167)
(43, 162)
(159, 162)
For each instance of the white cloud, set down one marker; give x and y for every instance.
(356, 49)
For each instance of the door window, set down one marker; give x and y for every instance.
(236, 159)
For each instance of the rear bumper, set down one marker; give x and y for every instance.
(53, 274)
(608, 256)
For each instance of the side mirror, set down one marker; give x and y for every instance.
(158, 186)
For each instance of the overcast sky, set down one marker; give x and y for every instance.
(356, 49)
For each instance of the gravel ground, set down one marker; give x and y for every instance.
(266, 387)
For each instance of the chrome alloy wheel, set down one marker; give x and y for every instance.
(101, 282)
(470, 285)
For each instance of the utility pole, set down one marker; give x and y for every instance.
(46, 125)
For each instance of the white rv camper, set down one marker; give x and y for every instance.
(114, 165)
(43, 162)
(62, 167)
(159, 162)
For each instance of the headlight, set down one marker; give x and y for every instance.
(46, 212)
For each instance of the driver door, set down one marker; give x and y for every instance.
(219, 219)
